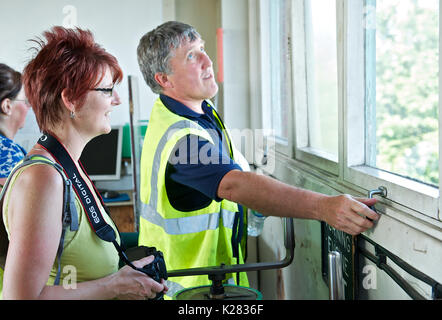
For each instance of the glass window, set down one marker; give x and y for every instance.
(322, 76)
(279, 73)
(402, 64)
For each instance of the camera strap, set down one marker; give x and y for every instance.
(101, 228)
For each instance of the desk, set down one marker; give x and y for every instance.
(122, 213)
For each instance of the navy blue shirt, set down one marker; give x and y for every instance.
(197, 166)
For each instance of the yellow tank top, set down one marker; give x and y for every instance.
(85, 256)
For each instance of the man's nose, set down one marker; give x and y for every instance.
(207, 62)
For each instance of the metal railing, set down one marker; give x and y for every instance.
(380, 259)
(289, 243)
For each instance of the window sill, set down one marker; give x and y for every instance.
(299, 174)
(415, 195)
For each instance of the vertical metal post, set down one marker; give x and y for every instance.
(132, 148)
(335, 280)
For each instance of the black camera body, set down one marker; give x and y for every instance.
(156, 269)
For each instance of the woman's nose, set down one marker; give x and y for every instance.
(116, 98)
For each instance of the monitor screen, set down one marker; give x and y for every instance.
(101, 158)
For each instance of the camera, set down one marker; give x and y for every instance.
(156, 269)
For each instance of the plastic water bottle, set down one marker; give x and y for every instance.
(255, 223)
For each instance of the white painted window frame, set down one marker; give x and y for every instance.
(259, 66)
(415, 197)
(303, 152)
(414, 200)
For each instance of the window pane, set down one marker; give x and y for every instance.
(405, 114)
(279, 67)
(322, 76)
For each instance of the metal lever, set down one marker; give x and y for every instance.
(382, 191)
(266, 151)
(335, 280)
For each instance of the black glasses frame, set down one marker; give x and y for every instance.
(105, 90)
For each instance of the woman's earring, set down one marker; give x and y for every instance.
(72, 114)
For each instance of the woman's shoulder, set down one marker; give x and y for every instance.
(35, 185)
(38, 175)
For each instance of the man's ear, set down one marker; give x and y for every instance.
(6, 106)
(67, 103)
(163, 80)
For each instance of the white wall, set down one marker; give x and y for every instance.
(117, 26)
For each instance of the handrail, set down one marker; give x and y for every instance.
(289, 243)
(380, 259)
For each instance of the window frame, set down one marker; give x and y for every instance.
(402, 191)
(415, 199)
(440, 111)
(303, 152)
(261, 41)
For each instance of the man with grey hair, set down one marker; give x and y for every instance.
(193, 209)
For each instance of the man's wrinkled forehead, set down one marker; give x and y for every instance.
(189, 39)
(184, 42)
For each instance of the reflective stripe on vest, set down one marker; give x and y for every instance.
(175, 287)
(182, 225)
(183, 124)
(185, 225)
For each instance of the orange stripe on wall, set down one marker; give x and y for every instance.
(219, 55)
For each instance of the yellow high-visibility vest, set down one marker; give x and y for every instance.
(191, 239)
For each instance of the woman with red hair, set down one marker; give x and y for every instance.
(70, 85)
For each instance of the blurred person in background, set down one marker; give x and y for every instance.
(14, 107)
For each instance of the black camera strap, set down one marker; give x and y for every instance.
(96, 220)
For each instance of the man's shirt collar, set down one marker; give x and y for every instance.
(180, 109)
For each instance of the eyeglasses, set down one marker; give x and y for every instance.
(107, 91)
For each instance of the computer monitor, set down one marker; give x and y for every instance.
(101, 158)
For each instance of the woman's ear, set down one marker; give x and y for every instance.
(163, 80)
(6, 107)
(67, 103)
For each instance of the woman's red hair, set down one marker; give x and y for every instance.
(70, 59)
